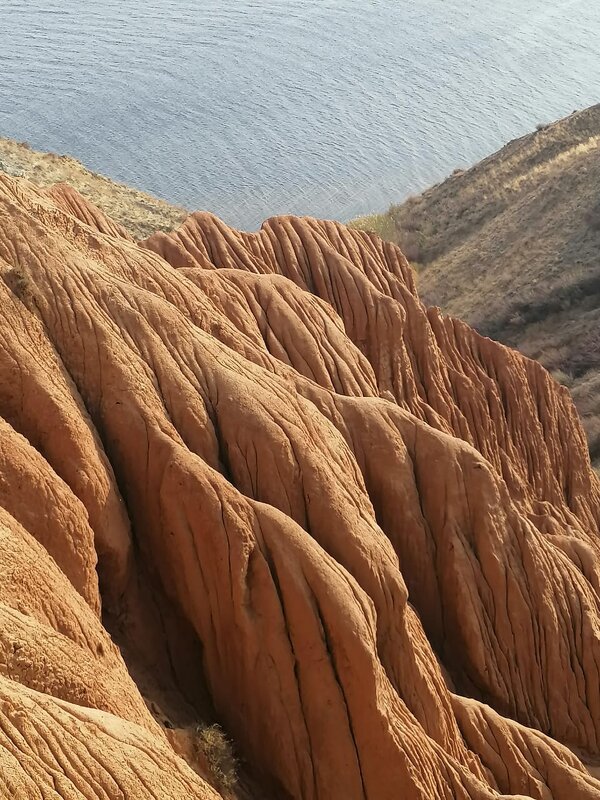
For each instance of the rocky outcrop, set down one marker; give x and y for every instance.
(353, 532)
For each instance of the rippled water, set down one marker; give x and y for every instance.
(256, 107)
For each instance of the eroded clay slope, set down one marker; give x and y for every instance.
(362, 538)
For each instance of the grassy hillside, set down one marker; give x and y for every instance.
(137, 211)
(512, 246)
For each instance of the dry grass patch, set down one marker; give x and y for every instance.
(139, 212)
(214, 748)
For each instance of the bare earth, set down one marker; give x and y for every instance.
(512, 246)
(251, 483)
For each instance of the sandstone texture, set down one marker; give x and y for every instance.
(251, 480)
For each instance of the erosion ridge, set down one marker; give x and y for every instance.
(353, 532)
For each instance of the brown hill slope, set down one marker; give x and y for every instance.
(140, 213)
(352, 531)
(513, 247)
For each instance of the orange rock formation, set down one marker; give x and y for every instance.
(355, 533)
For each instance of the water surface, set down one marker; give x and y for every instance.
(259, 107)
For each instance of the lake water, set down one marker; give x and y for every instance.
(252, 108)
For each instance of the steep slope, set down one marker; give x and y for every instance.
(139, 212)
(358, 535)
(512, 247)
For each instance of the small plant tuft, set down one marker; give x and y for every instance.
(562, 377)
(20, 283)
(212, 744)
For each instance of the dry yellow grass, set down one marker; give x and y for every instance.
(214, 748)
(512, 246)
(140, 213)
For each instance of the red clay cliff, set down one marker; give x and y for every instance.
(249, 479)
